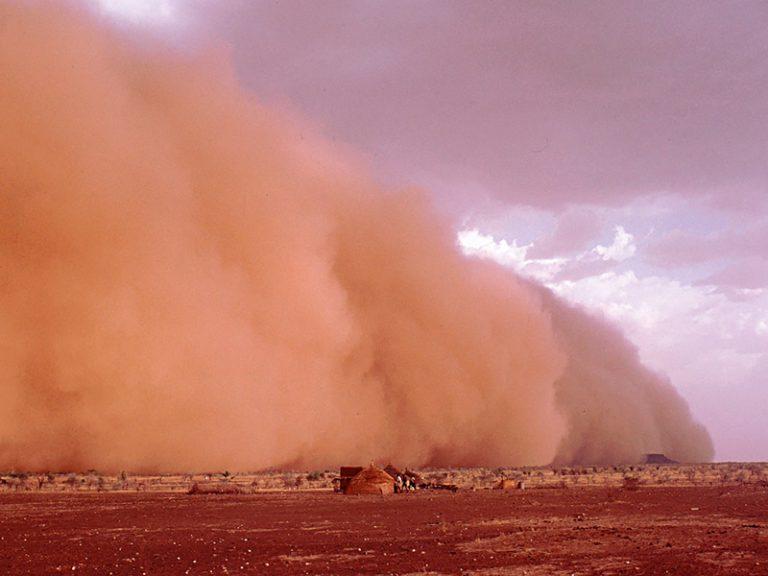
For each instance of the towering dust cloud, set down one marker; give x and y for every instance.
(189, 282)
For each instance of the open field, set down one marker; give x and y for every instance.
(647, 519)
(673, 530)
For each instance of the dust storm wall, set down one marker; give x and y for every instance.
(191, 280)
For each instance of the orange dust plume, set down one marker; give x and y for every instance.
(190, 281)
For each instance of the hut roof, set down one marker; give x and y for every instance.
(371, 480)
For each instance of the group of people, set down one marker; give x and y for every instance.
(405, 483)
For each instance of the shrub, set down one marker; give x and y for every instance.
(631, 483)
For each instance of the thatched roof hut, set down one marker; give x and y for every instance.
(371, 480)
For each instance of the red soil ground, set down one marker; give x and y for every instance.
(572, 531)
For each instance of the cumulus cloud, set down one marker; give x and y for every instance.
(485, 245)
(621, 249)
(139, 10)
(597, 260)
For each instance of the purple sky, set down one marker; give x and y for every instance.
(617, 151)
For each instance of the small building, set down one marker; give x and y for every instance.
(371, 480)
(346, 473)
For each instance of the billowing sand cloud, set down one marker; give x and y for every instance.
(191, 281)
(616, 407)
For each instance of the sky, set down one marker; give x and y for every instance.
(617, 152)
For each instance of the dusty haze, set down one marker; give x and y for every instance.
(193, 281)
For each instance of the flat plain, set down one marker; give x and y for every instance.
(555, 527)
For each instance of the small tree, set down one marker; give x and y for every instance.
(71, 480)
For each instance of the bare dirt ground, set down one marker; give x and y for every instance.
(558, 531)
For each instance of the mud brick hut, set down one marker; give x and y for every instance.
(346, 473)
(371, 480)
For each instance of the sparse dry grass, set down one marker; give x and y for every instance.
(647, 475)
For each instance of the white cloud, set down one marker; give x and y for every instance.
(139, 11)
(473, 243)
(621, 249)
(485, 246)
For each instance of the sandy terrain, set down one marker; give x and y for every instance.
(586, 530)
